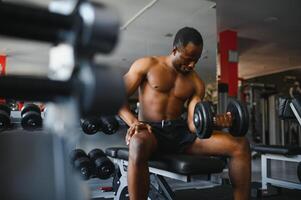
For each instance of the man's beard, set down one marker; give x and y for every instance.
(184, 70)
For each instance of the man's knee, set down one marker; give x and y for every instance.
(242, 146)
(139, 148)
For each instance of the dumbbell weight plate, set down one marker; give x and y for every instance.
(31, 120)
(109, 125)
(31, 117)
(90, 126)
(76, 153)
(4, 120)
(4, 117)
(203, 119)
(240, 116)
(5, 108)
(83, 166)
(104, 168)
(81, 163)
(96, 153)
(30, 107)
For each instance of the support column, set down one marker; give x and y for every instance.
(229, 61)
(2, 65)
(228, 82)
(2, 72)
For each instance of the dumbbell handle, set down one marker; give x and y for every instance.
(222, 115)
(103, 93)
(32, 22)
(27, 88)
(98, 33)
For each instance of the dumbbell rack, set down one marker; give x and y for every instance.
(15, 118)
(89, 90)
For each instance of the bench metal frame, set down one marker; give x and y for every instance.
(158, 184)
(158, 177)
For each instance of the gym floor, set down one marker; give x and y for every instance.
(225, 193)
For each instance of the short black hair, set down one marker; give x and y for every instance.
(186, 35)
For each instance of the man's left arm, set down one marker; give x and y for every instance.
(198, 95)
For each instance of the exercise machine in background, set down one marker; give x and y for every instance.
(282, 156)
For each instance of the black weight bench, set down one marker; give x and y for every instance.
(176, 166)
(277, 149)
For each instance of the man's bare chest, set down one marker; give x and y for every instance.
(170, 82)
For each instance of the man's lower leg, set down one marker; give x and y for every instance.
(240, 175)
(138, 180)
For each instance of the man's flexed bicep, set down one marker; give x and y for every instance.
(197, 97)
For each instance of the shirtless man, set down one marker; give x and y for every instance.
(165, 83)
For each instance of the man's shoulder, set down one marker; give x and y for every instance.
(196, 79)
(147, 61)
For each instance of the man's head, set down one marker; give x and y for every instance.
(187, 49)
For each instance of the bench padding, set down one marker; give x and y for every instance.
(276, 149)
(178, 163)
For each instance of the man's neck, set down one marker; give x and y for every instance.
(168, 61)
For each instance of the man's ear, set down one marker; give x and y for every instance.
(174, 50)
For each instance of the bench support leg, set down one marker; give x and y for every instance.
(163, 185)
(159, 188)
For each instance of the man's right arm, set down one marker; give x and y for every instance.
(133, 78)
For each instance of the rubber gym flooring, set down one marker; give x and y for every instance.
(225, 193)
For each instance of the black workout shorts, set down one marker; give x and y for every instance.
(172, 135)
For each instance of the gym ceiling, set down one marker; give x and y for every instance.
(269, 33)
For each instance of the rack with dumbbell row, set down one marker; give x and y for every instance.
(89, 90)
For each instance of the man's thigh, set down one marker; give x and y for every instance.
(219, 144)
